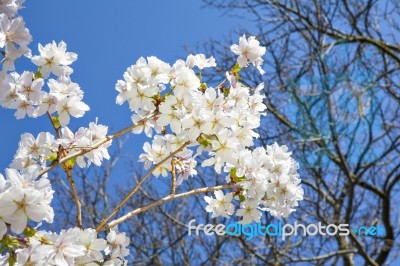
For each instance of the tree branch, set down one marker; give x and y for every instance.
(95, 146)
(164, 200)
(138, 185)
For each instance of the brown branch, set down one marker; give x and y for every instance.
(173, 177)
(219, 86)
(95, 146)
(325, 256)
(75, 196)
(136, 188)
(164, 200)
(56, 129)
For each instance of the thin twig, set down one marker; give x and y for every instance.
(325, 256)
(68, 171)
(76, 198)
(219, 86)
(56, 129)
(95, 146)
(173, 177)
(138, 185)
(164, 200)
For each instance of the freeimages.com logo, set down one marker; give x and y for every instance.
(282, 230)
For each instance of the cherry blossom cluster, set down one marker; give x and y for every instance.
(14, 36)
(249, 51)
(25, 193)
(24, 197)
(24, 92)
(34, 151)
(64, 99)
(44, 148)
(72, 247)
(218, 123)
(269, 182)
(85, 138)
(190, 122)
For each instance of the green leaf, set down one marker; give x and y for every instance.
(3, 244)
(12, 261)
(9, 242)
(52, 158)
(13, 242)
(56, 121)
(29, 231)
(38, 74)
(236, 69)
(70, 163)
(203, 86)
(242, 198)
(204, 142)
(241, 178)
(225, 91)
(232, 173)
(236, 178)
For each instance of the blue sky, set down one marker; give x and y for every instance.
(109, 36)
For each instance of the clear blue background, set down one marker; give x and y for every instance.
(109, 36)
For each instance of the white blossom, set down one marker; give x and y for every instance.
(221, 205)
(72, 106)
(117, 244)
(26, 197)
(200, 61)
(249, 51)
(55, 59)
(249, 212)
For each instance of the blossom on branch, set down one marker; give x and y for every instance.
(190, 120)
(249, 51)
(55, 59)
(25, 197)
